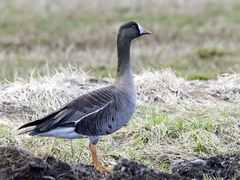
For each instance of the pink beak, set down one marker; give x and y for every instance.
(143, 31)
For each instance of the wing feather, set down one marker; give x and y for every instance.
(115, 114)
(74, 111)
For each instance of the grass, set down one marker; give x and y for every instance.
(174, 127)
(184, 40)
(205, 64)
(201, 63)
(176, 118)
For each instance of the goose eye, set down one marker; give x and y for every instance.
(133, 27)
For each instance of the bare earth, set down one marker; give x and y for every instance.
(18, 163)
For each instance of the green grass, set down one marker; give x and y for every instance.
(196, 132)
(150, 130)
(206, 64)
(187, 41)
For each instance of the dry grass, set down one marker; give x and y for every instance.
(175, 118)
(163, 86)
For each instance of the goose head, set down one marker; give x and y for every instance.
(132, 30)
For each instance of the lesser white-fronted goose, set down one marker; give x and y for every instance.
(99, 112)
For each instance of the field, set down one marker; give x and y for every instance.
(186, 74)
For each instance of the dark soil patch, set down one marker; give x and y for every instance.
(222, 167)
(17, 163)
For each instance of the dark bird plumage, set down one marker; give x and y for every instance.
(98, 112)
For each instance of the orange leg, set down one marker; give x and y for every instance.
(96, 163)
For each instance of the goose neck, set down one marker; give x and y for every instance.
(123, 48)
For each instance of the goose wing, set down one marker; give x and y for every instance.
(93, 107)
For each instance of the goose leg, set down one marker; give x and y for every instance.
(96, 163)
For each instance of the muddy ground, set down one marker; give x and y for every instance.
(17, 163)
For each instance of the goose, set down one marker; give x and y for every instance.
(99, 112)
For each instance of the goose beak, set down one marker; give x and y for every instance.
(143, 31)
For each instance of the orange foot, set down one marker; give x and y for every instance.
(96, 163)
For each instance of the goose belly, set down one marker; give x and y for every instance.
(63, 132)
(120, 119)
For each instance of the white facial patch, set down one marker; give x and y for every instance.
(143, 31)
